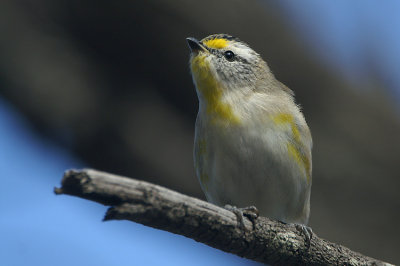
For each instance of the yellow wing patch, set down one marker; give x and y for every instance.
(301, 159)
(211, 91)
(216, 43)
(294, 148)
(287, 118)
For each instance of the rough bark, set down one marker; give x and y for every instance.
(265, 241)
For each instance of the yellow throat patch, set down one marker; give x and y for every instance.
(211, 91)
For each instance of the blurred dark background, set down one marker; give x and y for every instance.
(108, 81)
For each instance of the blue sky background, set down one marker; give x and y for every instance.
(359, 38)
(39, 228)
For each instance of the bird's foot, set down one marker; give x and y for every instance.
(250, 212)
(306, 231)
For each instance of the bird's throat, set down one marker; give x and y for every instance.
(210, 91)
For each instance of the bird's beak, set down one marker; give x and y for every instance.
(195, 45)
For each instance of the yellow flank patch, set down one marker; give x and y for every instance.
(201, 147)
(216, 43)
(211, 91)
(294, 148)
(204, 178)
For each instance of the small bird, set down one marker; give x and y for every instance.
(252, 143)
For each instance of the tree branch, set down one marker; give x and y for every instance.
(269, 241)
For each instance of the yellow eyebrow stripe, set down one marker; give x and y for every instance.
(216, 43)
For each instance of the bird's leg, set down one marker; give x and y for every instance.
(250, 212)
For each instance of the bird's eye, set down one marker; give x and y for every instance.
(229, 55)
